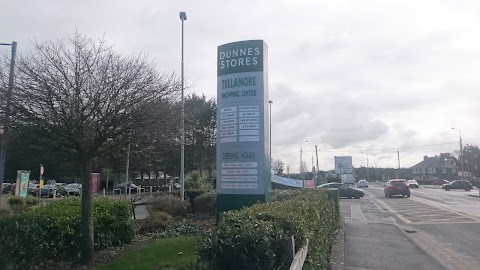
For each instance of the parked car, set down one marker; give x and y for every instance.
(33, 188)
(439, 182)
(396, 187)
(73, 189)
(131, 186)
(412, 183)
(344, 190)
(362, 184)
(458, 184)
(48, 190)
(8, 188)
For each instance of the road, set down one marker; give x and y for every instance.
(445, 225)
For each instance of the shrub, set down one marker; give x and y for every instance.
(53, 232)
(205, 203)
(194, 180)
(282, 195)
(4, 209)
(255, 237)
(192, 194)
(32, 201)
(156, 221)
(169, 204)
(16, 200)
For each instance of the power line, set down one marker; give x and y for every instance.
(379, 149)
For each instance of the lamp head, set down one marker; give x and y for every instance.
(183, 15)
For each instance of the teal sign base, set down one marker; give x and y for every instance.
(227, 202)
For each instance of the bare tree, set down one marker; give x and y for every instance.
(277, 166)
(86, 99)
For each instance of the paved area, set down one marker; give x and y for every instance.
(372, 240)
(445, 224)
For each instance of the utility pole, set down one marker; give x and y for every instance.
(461, 153)
(368, 177)
(127, 166)
(183, 17)
(318, 169)
(398, 157)
(6, 123)
(301, 156)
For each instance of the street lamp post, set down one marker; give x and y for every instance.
(398, 158)
(368, 177)
(183, 17)
(270, 139)
(6, 123)
(461, 152)
(301, 157)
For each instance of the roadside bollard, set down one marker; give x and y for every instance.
(151, 189)
(54, 194)
(104, 193)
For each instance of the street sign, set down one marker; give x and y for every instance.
(243, 171)
(343, 164)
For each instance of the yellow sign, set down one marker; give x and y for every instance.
(41, 183)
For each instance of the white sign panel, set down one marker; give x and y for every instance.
(242, 117)
(343, 164)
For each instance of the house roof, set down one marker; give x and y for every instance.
(434, 162)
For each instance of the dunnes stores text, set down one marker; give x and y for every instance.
(239, 57)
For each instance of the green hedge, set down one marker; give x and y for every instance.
(205, 203)
(255, 237)
(52, 233)
(190, 194)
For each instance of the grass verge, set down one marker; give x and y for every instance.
(170, 253)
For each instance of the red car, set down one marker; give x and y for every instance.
(439, 182)
(396, 187)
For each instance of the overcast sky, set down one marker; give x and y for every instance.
(348, 76)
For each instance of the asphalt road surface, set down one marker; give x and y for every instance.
(441, 228)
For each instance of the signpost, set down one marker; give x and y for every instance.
(343, 165)
(23, 179)
(243, 171)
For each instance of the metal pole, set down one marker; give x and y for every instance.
(398, 158)
(270, 103)
(461, 156)
(183, 17)
(6, 123)
(368, 177)
(318, 169)
(301, 165)
(301, 157)
(127, 166)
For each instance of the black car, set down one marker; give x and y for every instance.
(344, 190)
(458, 184)
(396, 187)
(8, 189)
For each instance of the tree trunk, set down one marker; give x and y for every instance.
(87, 242)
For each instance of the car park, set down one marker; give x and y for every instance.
(362, 184)
(344, 190)
(396, 187)
(458, 184)
(412, 183)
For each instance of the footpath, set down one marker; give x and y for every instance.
(370, 238)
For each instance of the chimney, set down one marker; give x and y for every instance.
(425, 158)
